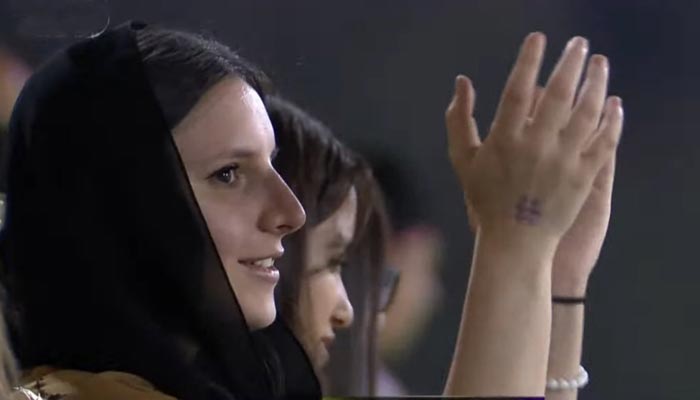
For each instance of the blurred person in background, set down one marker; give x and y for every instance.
(414, 255)
(14, 71)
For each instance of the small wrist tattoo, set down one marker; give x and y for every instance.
(528, 211)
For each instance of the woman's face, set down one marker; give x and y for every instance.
(323, 301)
(226, 143)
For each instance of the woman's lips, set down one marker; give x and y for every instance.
(263, 268)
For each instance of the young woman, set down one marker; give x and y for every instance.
(565, 262)
(329, 294)
(141, 197)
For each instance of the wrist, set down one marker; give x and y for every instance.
(520, 241)
(515, 261)
(569, 287)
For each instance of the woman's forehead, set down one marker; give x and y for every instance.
(229, 118)
(229, 97)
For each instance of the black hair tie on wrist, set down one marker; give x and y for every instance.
(568, 300)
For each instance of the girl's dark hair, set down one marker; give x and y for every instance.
(320, 170)
(182, 66)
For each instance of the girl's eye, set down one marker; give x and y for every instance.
(227, 175)
(334, 266)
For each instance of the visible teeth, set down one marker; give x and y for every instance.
(265, 263)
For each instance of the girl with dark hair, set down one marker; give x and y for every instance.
(142, 225)
(329, 291)
(524, 188)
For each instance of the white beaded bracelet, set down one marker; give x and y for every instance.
(569, 384)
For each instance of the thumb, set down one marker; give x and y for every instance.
(462, 133)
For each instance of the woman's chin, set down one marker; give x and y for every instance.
(261, 317)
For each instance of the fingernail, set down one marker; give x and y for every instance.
(458, 79)
(535, 35)
(600, 61)
(617, 103)
(534, 38)
(579, 43)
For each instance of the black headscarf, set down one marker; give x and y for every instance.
(108, 260)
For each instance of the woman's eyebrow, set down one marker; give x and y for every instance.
(241, 152)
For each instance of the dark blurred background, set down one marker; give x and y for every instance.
(380, 73)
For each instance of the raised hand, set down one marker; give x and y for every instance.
(536, 169)
(580, 247)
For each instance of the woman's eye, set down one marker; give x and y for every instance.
(227, 175)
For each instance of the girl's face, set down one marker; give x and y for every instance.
(323, 301)
(226, 143)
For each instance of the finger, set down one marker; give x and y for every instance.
(604, 180)
(517, 95)
(536, 97)
(458, 116)
(554, 109)
(587, 112)
(608, 136)
(462, 132)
